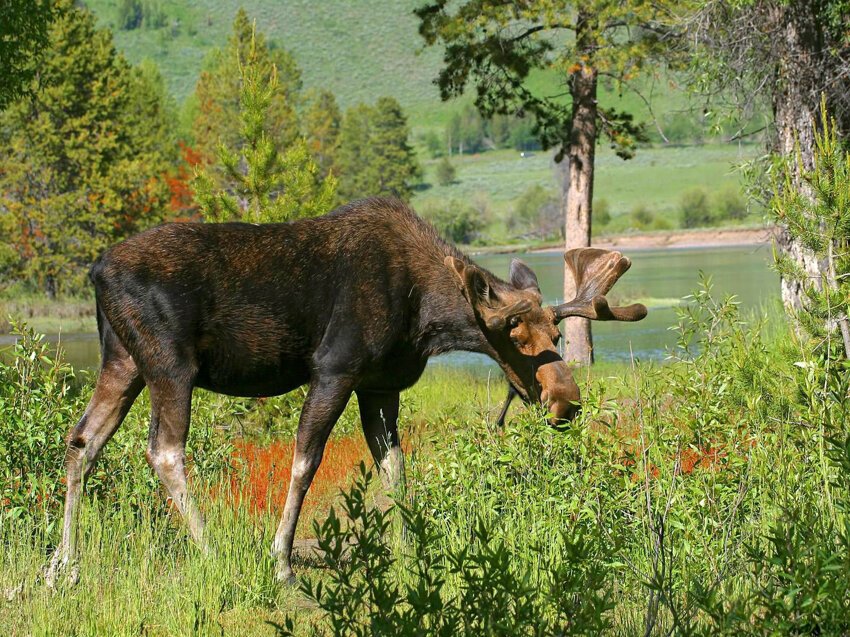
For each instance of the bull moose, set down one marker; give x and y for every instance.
(355, 301)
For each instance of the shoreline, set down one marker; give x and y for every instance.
(677, 239)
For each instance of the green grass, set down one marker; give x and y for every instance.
(359, 50)
(656, 177)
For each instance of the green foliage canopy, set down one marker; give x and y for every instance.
(23, 36)
(375, 156)
(497, 45)
(83, 159)
(255, 180)
(219, 91)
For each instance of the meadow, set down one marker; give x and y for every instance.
(705, 495)
(655, 179)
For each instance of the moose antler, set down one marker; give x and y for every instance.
(595, 272)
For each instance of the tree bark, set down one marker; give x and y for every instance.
(578, 197)
(796, 101)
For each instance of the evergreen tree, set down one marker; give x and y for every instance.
(394, 157)
(255, 181)
(356, 175)
(321, 124)
(82, 160)
(375, 157)
(218, 92)
(23, 36)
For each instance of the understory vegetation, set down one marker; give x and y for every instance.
(706, 495)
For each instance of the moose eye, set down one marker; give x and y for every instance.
(514, 322)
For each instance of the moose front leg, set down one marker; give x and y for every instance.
(323, 406)
(379, 416)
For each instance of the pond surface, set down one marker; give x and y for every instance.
(663, 275)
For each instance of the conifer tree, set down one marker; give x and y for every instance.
(82, 160)
(375, 157)
(254, 180)
(322, 121)
(23, 37)
(218, 92)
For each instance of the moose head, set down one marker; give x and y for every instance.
(523, 333)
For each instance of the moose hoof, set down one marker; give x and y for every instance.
(61, 571)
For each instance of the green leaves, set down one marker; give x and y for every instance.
(82, 160)
(260, 179)
(375, 156)
(496, 45)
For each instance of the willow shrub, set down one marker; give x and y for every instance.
(704, 496)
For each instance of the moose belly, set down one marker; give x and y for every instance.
(249, 367)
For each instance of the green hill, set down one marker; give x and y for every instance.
(363, 49)
(359, 50)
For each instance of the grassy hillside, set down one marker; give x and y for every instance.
(359, 49)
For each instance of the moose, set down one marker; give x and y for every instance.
(354, 301)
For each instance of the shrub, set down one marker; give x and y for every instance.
(537, 212)
(433, 144)
(456, 222)
(641, 217)
(376, 587)
(730, 205)
(445, 172)
(601, 213)
(696, 211)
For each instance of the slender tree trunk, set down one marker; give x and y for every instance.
(579, 191)
(796, 101)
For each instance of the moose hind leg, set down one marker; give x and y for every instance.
(379, 417)
(117, 387)
(171, 404)
(323, 406)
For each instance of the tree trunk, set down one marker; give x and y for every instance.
(579, 191)
(796, 102)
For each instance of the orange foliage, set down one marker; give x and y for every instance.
(182, 201)
(264, 483)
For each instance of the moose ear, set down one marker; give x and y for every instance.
(523, 277)
(471, 281)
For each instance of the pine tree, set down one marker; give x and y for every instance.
(395, 159)
(354, 154)
(375, 157)
(23, 37)
(255, 181)
(82, 159)
(321, 124)
(218, 92)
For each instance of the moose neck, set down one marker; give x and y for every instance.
(446, 322)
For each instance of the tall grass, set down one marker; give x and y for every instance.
(708, 495)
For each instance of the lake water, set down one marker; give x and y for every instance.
(656, 274)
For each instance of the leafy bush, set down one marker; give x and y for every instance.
(696, 211)
(456, 222)
(39, 402)
(537, 212)
(730, 205)
(445, 172)
(601, 213)
(641, 217)
(377, 587)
